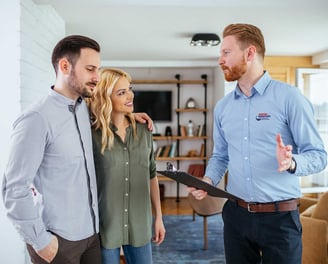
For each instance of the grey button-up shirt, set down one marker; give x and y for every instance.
(52, 150)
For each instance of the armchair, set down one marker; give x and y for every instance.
(314, 219)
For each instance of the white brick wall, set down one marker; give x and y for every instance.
(40, 30)
(29, 33)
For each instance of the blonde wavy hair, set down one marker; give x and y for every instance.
(100, 105)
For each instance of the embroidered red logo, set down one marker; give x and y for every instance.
(263, 116)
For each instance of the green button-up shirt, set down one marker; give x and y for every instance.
(123, 179)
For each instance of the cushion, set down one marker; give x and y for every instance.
(321, 210)
(308, 211)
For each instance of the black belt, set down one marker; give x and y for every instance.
(279, 206)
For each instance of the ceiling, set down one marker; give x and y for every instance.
(159, 30)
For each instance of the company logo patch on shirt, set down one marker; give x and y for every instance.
(263, 116)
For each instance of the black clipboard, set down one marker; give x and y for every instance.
(192, 181)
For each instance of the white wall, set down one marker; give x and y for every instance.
(29, 33)
(11, 250)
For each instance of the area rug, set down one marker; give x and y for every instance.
(184, 241)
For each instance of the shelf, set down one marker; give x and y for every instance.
(172, 151)
(169, 82)
(180, 158)
(181, 110)
(170, 138)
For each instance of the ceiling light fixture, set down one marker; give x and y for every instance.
(205, 39)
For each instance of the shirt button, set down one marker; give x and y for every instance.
(245, 138)
(125, 210)
(126, 179)
(126, 163)
(245, 118)
(125, 148)
(125, 225)
(126, 194)
(246, 158)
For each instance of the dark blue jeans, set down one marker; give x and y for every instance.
(133, 255)
(266, 238)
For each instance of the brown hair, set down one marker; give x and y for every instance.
(246, 34)
(70, 47)
(100, 105)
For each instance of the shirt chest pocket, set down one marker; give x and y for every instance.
(140, 156)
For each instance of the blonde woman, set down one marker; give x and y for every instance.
(128, 188)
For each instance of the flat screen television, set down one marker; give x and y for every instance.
(157, 104)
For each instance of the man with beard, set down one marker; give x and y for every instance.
(52, 153)
(265, 136)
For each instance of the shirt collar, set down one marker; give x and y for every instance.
(259, 87)
(112, 127)
(63, 99)
(262, 83)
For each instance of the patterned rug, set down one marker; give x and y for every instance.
(184, 241)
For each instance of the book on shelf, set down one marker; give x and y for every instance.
(173, 149)
(162, 151)
(166, 150)
(202, 150)
(158, 152)
(183, 131)
(200, 130)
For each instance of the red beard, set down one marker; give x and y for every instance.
(235, 73)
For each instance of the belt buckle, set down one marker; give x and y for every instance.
(249, 207)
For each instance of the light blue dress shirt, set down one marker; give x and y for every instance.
(244, 134)
(47, 152)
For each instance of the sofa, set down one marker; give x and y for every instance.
(314, 219)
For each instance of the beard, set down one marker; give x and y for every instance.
(236, 72)
(79, 88)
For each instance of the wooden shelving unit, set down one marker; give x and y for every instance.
(202, 83)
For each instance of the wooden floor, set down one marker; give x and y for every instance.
(171, 207)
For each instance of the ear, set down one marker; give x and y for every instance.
(64, 65)
(251, 51)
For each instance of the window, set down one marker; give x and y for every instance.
(313, 83)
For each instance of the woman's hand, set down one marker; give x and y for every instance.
(159, 231)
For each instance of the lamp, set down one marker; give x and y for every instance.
(205, 39)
